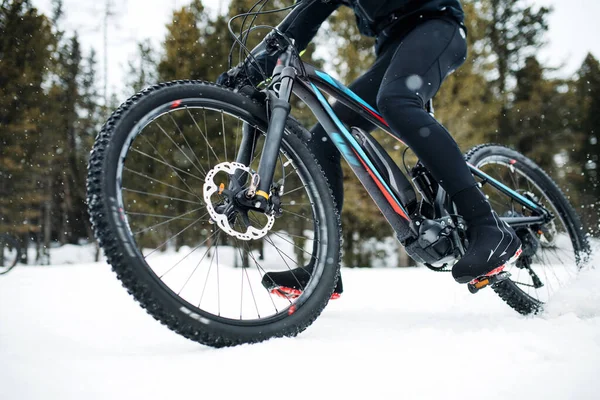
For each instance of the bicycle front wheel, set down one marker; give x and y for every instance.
(161, 185)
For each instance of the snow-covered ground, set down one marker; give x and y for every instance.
(72, 332)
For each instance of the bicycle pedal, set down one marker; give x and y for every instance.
(293, 294)
(286, 293)
(480, 283)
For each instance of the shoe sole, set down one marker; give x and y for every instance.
(499, 269)
(292, 294)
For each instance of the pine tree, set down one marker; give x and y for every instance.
(466, 105)
(353, 53)
(142, 69)
(25, 41)
(586, 151)
(537, 115)
(515, 31)
(184, 54)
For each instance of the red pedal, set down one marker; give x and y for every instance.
(292, 294)
(496, 271)
(286, 293)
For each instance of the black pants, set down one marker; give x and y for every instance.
(407, 73)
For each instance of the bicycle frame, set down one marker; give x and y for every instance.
(310, 88)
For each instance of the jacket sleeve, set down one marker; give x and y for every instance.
(305, 20)
(301, 25)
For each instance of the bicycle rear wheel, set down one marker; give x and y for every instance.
(160, 193)
(553, 253)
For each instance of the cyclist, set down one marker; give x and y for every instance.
(418, 44)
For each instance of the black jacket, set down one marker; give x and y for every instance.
(304, 21)
(372, 16)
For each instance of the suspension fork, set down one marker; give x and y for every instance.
(246, 149)
(279, 104)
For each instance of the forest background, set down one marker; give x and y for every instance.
(52, 104)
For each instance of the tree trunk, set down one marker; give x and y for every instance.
(24, 243)
(348, 249)
(47, 232)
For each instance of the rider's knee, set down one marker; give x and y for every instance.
(401, 105)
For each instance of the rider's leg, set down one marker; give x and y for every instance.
(420, 64)
(366, 87)
(290, 283)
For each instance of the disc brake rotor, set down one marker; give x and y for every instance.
(223, 219)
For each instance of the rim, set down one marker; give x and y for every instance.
(160, 178)
(549, 259)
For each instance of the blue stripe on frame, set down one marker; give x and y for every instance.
(354, 144)
(349, 92)
(511, 191)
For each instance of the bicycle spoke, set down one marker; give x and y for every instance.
(293, 190)
(298, 236)
(245, 272)
(168, 165)
(552, 270)
(184, 258)
(277, 249)
(237, 133)
(254, 156)
(218, 283)
(174, 170)
(262, 273)
(158, 181)
(209, 269)
(162, 196)
(291, 172)
(298, 215)
(188, 143)
(292, 243)
(129, 213)
(251, 291)
(179, 148)
(281, 253)
(203, 135)
(170, 269)
(173, 237)
(167, 221)
(285, 240)
(242, 286)
(548, 283)
(224, 135)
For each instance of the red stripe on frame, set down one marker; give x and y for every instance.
(387, 195)
(383, 122)
(375, 115)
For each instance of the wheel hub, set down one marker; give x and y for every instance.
(225, 214)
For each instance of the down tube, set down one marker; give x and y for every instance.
(391, 208)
